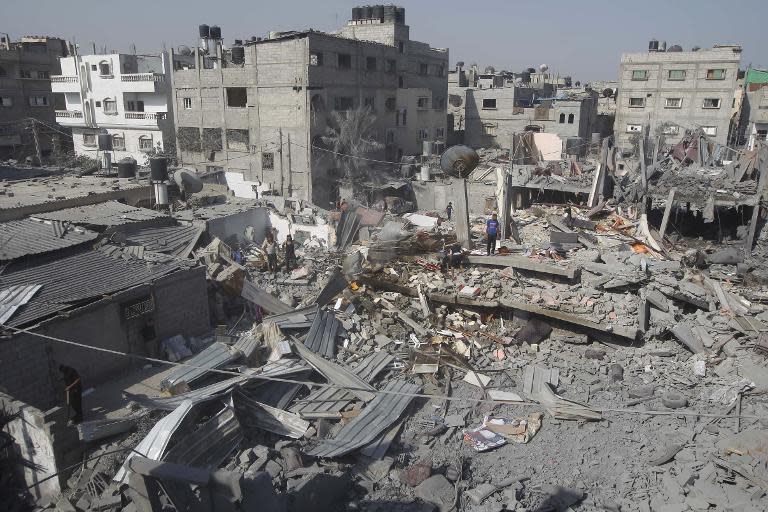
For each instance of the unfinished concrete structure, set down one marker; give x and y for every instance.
(26, 67)
(672, 91)
(259, 110)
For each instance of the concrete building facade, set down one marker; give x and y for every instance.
(127, 96)
(25, 92)
(674, 91)
(259, 110)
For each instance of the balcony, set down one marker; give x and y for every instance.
(65, 83)
(70, 114)
(141, 82)
(145, 118)
(142, 77)
(55, 79)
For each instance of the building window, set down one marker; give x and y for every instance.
(187, 103)
(343, 103)
(237, 140)
(237, 97)
(423, 102)
(489, 129)
(6, 101)
(105, 69)
(212, 139)
(423, 68)
(369, 102)
(423, 134)
(188, 138)
(268, 161)
(145, 143)
(571, 118)
(390, 137)
(715, 74)
(390, 104)
(634, 128)
(43, 75)
(400, 82)
(639, 74)
(673, 103)
(391, 65)
(440, 70)
(89, 139)
(134, 106)
(489, 103)
(98, 104)
(709, 130)
(676, 74)
(401, 46)
(317, 104)
(23, 73)
(316, 59)
(345, 61)
(562, 119)
(94, 67)
(370, 63)
(38, 101)
(670, 129)
(401, 118)
(439, 133)
(110, 106)
(118, 142)
(711, 103)
(636, 102)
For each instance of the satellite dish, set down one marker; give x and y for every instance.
(459, 161)
(543, 68)
(607, 92)
(490, 70)
(188, 181)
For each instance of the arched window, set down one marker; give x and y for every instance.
(110, 106)
(105, 68)
(562, 118)
(118, 142)
(145, 143)
(570, 118)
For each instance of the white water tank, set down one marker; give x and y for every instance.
(161, 193)
(424, 173)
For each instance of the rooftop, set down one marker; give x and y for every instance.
(19, 238)
(109, 213)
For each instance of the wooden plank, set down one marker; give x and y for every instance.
(524, 263)
(667, 211)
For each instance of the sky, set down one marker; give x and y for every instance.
(582, 39)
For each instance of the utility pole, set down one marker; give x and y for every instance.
(290, 169)
(280, 153)
(37, 142)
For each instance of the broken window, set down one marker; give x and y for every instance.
(118, 142)
(423, 68)
(369, 102)
(316, 59)
(110, 106)
(489, 129)
(391, 65)
(89, 139)
(455, 100)
(237, 140)
(711, 103)
(187, 103)
(345, 61)
(676, 74)
(145, 143)
(188, 139)
(715, 74)
(761, 134)
(390, 104)
(237, 97)
(489, 103)
(709, 130)
(370, 63)
(267, 161)
(562, 118)
(673, 103)
(634, 128)
(343, 103)
(212, 139)
(639, 74)
(636, 102)
(670, 129)
(423, 102)
(571, 118)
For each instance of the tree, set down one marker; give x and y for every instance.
(350, 136)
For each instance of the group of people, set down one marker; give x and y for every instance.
(491, 229)
(270, 246)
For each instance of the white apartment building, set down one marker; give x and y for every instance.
(127, 96)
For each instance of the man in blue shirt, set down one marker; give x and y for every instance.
(492, 230)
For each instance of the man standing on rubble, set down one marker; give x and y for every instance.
(449, 210)
(270, 249)
(290, 253)
(491, 230)
(74, 390)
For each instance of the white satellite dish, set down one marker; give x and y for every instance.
(543, 68)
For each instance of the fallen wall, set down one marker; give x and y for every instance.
(231, 228)
(433, 195)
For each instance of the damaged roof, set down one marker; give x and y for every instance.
(110, 213)
(26, 237)
(175, 240)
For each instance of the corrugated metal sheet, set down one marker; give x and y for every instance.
(322, 335)
(110, 213)
(336, 374)
(296, 319)
(175, 240)
(19, 238)
(14, 297)
(73, 280)
(335, 285)
(248, 343)
(271, 419)
(210, 444)
(216, 355)
(378, 415)
(275, 394)
(265, 300)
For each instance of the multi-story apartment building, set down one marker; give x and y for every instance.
(127, 96)
(259, 110)
(25, 92)
(672, 91)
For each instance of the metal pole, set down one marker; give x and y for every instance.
(280, 153)
(290, 169)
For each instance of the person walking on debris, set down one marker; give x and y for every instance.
(74, 389)
(290, 253)
(452, 257)
(491, 230)
(449, 210)
(270, 249)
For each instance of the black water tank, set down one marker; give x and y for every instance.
(390, 13)
(158, 169)
(238, 42)
(400, 14)
(367, 12)
(653, 45)
(215, 32)
(357, 12)
(238, 54)
(378, 12)
(205, 31)
(525, 76)
(126, 168)
(105, 142)
(459, 161)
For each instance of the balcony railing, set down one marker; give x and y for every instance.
(69, 113)
(142, 77)
(56, 79)
(146, 115)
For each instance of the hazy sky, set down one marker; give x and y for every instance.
(583, 39)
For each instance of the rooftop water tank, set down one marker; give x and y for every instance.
(215, 32)
(357, 12)
(205, 31)
(459, 161)
(377, 12)
(653, 45)
(126, 168)
(390, 13)
(158, 169)
(105, 142)
(238, 54)
(400, 14)
(367, 12)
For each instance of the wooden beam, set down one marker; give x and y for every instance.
(667, 211)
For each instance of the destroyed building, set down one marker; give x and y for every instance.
(754, 108)
(260, 109)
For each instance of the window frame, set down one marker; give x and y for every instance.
(712, 72)
(109, 101)
(267, 161)
(488, 106)
(186, 103)
(672, 79)
(109, 73)
(33, 101)
(672, 129)
(718, 102)
(317, 57)
(708, 129)
(228, 100)
(115, 145)
(668, 105)
(343, 103)
(630, 126)
(490, 129)
(143, 139)
(644, 78)
(6, 101)
(422, 102)
(86, 137)
(371, 63)
(642, 102)
(391, 66)
(346, 58)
